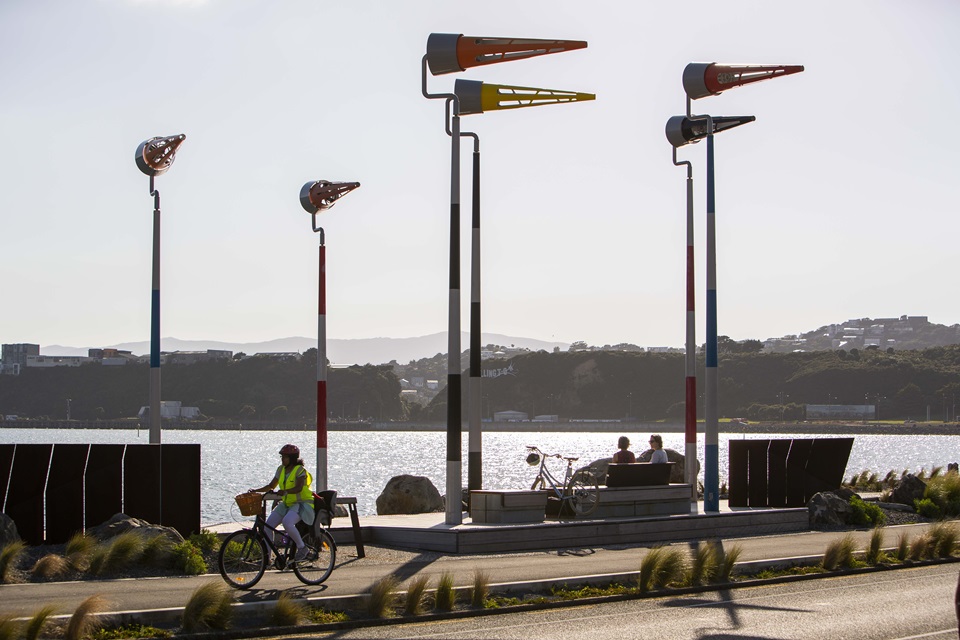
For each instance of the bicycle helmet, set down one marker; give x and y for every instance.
(290, 450)
(533, 459)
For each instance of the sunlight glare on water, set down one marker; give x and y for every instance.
(361, 463)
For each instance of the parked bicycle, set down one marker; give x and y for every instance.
(245, 554)
(579, 488)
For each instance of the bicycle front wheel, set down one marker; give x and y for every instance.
(583, 492)
(321, 556)
(242, 559)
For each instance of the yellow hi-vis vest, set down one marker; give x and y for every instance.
(287, 483)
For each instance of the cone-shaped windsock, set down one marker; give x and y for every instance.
(453, 52)
(702, 79)
(154, 156)
(477, 97)
(682, 130)
(322, 194)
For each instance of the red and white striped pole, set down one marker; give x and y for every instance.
(690, 423)
(322, 370)
(315, 197)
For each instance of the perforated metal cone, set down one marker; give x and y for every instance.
(154, 156)
(323, 194)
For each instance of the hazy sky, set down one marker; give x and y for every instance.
(838, 202)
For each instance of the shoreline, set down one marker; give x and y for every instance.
(730, 428)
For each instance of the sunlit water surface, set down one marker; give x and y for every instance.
(361, 463)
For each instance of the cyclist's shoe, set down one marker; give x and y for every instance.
(302, 553)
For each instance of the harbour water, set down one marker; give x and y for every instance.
(361, 463)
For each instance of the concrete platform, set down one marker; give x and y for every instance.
(427, 531)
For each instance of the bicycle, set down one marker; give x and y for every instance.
(243, 557)
(579, 488)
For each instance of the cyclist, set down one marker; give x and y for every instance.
(294, 487)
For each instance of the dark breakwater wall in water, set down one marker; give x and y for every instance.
(837, 428)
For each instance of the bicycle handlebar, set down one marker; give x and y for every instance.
(531, 447)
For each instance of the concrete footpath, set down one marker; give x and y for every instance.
(530, 571)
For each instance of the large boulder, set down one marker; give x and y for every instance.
(121, 523)
(409, 494)
(678, 473)
(827, 509)
(909, 488)
(8, 530)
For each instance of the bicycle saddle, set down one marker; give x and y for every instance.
(570, 459)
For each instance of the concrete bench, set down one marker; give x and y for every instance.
(627, 502)
(655, 500)
(507, 506)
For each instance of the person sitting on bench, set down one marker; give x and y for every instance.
(659, 455)
(624, 456)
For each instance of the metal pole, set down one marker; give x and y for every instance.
(474, 388)
(321, 474)
(690, 449)
(155, 323)
(454, 511)
(454, 484)
(475, 429)
(711, 478)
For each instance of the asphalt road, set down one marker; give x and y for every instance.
(904, 604)
(353, 576)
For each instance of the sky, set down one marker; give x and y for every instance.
(836, 203)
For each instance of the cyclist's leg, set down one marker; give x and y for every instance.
(273, 522)
(290, 521)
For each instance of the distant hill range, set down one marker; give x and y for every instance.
(339, 351)
(904, 332)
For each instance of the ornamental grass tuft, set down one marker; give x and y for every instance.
(481, 588)
(703, 564)
(923, 546)
(839, 553)
(208, 608)
(671, 568)
(9, 628)
(413, 605)
(78, 550)
(83, 621)
(288, 612)
(36, 623)
(944, 537)
(445, 596)
(648, 566)
(874, 546)
(9, 557)
(383, 593)
(726, 561)
(51, 566)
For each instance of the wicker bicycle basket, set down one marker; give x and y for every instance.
(249, 503)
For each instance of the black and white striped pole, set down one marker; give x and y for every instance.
(153, 158)
(453, 53)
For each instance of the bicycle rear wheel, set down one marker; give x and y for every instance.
(318, 565)
(583, 492)
(242, 559)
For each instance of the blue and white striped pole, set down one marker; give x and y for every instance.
(711, 458)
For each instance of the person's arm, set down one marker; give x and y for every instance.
(267, 487)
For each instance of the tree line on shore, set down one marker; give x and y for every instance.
(572, 385)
